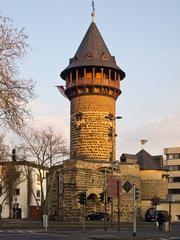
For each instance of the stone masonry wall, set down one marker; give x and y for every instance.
(89, 137)
(151, 188)
(83, 176)
(77, 180)
(130, 173)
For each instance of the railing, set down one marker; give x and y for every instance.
(95, 81)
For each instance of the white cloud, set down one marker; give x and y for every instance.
(161, 133)
(56, 122)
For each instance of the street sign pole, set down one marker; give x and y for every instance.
(118, 196)
(83, 219)
(134, 210)
(105, 210)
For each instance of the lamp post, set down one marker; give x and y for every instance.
(112, 135)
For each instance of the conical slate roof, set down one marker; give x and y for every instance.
(92, 52)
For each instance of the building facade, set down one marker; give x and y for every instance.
(20, 190)
(152, 177)
(172, 162)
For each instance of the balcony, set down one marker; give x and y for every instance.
(93, 82)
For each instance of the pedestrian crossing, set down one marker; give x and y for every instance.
(18, 231)
(171, 238)
(165, 238)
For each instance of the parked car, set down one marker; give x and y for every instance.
(98, 216)
(151, 215)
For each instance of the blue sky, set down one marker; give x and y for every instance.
(143, 35)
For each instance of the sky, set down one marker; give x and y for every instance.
(144, 36)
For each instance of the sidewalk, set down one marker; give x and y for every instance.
(113, 234)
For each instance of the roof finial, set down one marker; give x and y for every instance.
(93, 11)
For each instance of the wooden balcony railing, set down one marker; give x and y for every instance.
(93, 82)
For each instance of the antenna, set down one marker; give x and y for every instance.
(93, 11)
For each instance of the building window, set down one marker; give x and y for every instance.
(174, 167)
(38, 193)
(177, 217)
(177, 156)
(16, 192)
(174, 179)
(173, 156)
(173, 191)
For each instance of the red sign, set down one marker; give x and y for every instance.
(114, 187)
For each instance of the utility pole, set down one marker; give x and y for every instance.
(134, 211)
(105, 200)
(136, 196)
(118, 196)
(82, 201)
(112, 135)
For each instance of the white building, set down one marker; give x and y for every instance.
(20, 189)
(172, 162)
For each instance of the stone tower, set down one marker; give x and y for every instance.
(92, 86)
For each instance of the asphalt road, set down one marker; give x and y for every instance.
(64, 231)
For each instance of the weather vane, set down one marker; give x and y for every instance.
(143, 141)
(93, 11)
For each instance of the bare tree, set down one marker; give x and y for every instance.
(9, 179)
(47, 148)
(15, 93)
(4, 149)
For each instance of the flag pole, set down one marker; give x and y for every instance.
(93, 11)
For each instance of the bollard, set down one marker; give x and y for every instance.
(45, 222)
(166, 226)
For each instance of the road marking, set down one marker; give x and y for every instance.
(17, 231)
(171, 238)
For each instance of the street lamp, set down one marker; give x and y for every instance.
(112, 135)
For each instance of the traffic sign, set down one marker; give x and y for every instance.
(127, 186)
(114, 187)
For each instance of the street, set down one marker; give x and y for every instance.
(29, 230)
